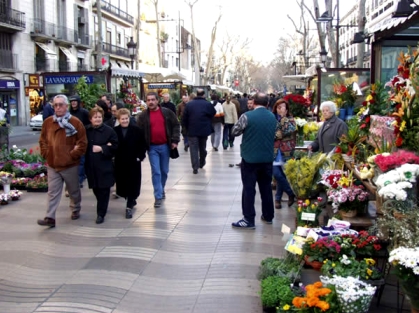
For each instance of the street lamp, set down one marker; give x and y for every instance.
(132, 51)
(323, 57)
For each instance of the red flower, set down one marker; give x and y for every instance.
(399, 141)
(338, 150)
(30, 151)
(367, 119)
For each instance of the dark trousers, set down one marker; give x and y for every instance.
(131, 202)
(198, 151)
(260, 173)
(227, 137)
(102, 198)
(281, 183)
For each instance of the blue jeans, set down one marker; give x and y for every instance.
(159, 156)
(227, 137)
(82, 174)
(281, 183)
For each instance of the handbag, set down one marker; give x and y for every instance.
(287, 145)
(174, 153)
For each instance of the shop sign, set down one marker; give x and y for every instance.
(33, 80)
(9, 84)
(66, 79)
(161, 86)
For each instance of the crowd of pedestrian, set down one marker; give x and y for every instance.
(107, 145)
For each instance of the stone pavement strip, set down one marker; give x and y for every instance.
(182, 257)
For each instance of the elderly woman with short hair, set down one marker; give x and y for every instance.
(331, 130)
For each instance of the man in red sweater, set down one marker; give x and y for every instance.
(162, 133)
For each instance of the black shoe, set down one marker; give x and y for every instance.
(157, 203)
(239, 164)
(50, 222)
(195, 171)
(202, 164)
(128, 213)
(215, 149)
(75, 215)
(291, 200)
(163, 195)
(100, 219)
(186, 148)
(265, 220)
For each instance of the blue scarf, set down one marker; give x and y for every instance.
(63, 121)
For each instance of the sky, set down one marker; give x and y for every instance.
(262, 21)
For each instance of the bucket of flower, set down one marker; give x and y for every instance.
(15, 194)
(19, 183)
(4, 198)
(6, 179)
(307, 213)
(316, 252)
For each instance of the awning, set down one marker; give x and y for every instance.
(50, 54)
(71, 58)
(298, 80)
(120, 72)
(187, 82)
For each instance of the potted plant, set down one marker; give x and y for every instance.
(6, 179)
(276, 292)
(38, 184)
(318, 251)
(282, 267)
(15, 195)
(362, 244)
(405, 262)
(354, 295)
(316, 299)
(349, 266)
(19, 183)
(351, 144)
(4, 198)
(307, 212)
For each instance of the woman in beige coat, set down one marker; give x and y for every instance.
(230, 118)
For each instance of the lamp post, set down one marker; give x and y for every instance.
(323, 57)
(326, 18)
(132, 51)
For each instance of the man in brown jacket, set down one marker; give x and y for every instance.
(62, 142)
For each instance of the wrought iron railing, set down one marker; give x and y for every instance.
(12, 17)
(109, 48)
(42, 27)
(106, 6)
(41, 64)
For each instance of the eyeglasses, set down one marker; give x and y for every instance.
(60, 104)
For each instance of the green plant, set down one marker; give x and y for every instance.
(283, 267)
(352, 143)
(323, 249)
(89, 93)
(304, 207)
(271, 289)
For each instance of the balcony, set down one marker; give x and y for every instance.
(44, 31)
(63, 66)
(115, 50)
(41, 64)
(82, 68)
(11, 19)
(8, 61)
(114, 13)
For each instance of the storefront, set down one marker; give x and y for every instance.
(174, 89)
(9, 91)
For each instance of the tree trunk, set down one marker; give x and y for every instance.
(211, 48)
(156, 2)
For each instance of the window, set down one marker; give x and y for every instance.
(108, 36)
(118, 36)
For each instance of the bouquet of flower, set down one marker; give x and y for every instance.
(315, 299)
(387, 161)
(322, 249)
(405, 263)
(349, 266)
(345, 96)
(6, 178)
(298, 105)
(354, 295)
(312, 208)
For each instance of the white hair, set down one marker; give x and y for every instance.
(62, 97)
(329, 104)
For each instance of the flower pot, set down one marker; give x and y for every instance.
(31, 189)
(350, 213)
(316, 265)
(399, 216)
(350, 111)
(342, 114)
(6, 188)
(4, 202)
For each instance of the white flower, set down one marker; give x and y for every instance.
(14, 147)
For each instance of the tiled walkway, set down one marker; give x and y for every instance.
(183, 257)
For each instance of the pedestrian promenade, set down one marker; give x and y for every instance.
(183, 257)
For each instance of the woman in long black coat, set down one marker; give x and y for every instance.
(102, 144)
(131, 151)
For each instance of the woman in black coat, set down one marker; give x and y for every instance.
(131, 151)
(102, 143)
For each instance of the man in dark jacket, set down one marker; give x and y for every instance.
(197, 120)
(48, 110)
(167, 103)
(83, 115)
(162, 133)
(243, 104)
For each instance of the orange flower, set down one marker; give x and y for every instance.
(323, 305)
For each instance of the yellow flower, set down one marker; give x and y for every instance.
(370, 261)
(307, 201)
(369, 272)
(344, 181)
(333, 264)
(286, 307)
(402, 126)
(299, 209)
(369, 97)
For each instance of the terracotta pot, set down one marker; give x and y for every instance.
(316, 265)
(351, 213)
(399, 216)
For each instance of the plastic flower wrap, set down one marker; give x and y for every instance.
(6, 177)
(311, 207)
(311, 129)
